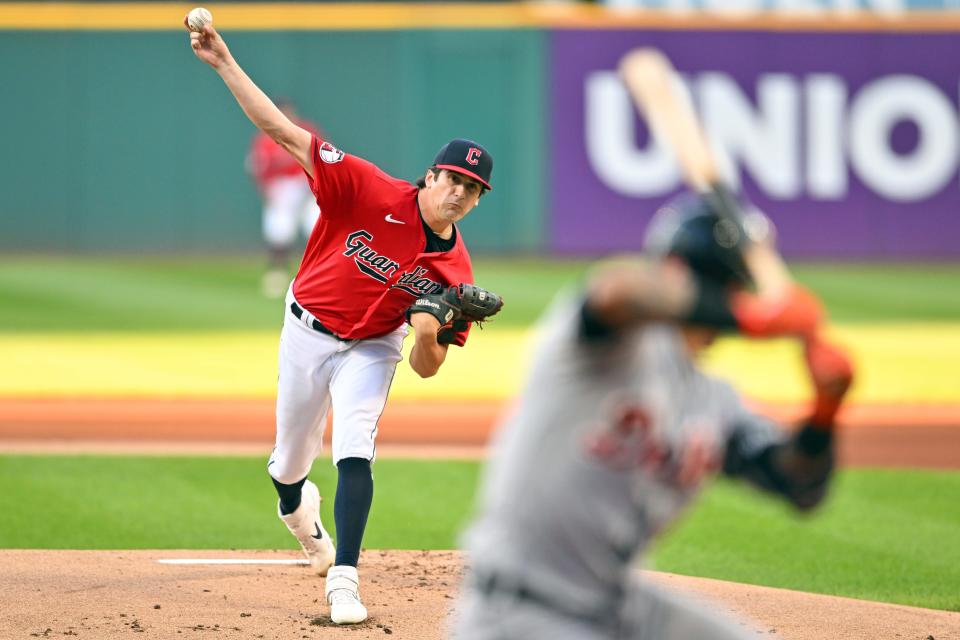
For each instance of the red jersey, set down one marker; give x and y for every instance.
(268, 161)
(365, 263)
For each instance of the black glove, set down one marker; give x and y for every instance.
(456, 307)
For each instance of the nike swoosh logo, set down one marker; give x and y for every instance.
(319, 535)
(389, 218)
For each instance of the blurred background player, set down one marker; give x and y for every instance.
(384, 252)
(288, 204)
(616, 430)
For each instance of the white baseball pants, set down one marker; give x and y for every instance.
(317, 372)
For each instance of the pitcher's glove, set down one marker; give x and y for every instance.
(456, 307)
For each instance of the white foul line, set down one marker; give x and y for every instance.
(227, 561)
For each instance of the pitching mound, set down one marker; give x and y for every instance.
(114, 594)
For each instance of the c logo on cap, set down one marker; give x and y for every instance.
(473, 156)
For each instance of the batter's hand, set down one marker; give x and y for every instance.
(209, 46)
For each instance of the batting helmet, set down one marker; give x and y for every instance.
(710, 242)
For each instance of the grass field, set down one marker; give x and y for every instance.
(199, 328)
(883, 535)
(177, 294)
(886, 535)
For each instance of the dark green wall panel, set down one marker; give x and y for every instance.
(125, 142)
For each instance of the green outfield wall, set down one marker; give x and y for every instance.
(118, 140)
(122, 141)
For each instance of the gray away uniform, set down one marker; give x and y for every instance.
(583, 476)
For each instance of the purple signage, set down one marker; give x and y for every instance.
(849, 141)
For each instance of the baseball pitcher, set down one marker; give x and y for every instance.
(616, 430)
(382, 254)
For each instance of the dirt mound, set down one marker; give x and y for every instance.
(410, 594)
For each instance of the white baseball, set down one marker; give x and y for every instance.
(197, 18)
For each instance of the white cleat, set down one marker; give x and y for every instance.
(343, 594)
(305, 525)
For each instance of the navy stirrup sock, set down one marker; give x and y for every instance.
(351, 507)
(289, 495)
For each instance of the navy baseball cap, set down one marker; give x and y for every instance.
(466, 157)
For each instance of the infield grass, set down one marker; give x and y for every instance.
(187, 502)
(883, 535)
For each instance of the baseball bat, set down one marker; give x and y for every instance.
(651, 81)
(653, 85)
